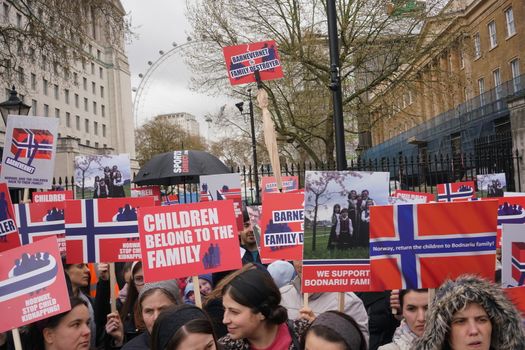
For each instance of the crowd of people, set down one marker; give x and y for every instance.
(262, 307)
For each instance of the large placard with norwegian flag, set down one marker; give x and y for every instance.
(103, 230)
(32, 284)
(29, 152)
(9, 237)
(188, 240)
(421, 245)
(456, 191)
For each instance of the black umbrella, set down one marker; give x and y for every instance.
(177, 167)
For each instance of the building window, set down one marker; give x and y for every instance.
(96, 144)
(68, 119)
(100, 72)
(57, 113)
(477, 46)
(44, 62)
(103, 110)
(33, 81)
(34, 107)
(509, 16)
(86, 104)
(66, 96)
(410, 100)
(46, 110)
(88, 143)
(98, 54)
(56, 91)
(101, 91)
(515, 70)
(461, 59)
(21, 76)
(76, 100)
(84, 83)
(492, 35)
(77, 122)
(95, 128)
(6, 11)
(496, 76)
(481, 87)
(92, 68)
(93, 88)
(104, 130)
(75, 78)
(94, 108)
(18, 20)
(86, 125)
(44, 86)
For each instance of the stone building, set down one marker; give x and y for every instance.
(185, 121)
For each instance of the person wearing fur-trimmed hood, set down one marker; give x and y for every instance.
(471, 312)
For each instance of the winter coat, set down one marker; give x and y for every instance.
(292, 300)
(452, 296)
(403, 339)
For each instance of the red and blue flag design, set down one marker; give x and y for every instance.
(421, 245)
(37, 221)
(32, 143)
(456, 191)
(102, 230)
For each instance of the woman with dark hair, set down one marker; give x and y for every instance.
(254, 317)
(335, 228)
(153, 298)
(333, 330)
(183, 327)
(96, 184)
(66, 331)
(414, 305)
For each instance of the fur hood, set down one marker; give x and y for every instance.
(507, 331)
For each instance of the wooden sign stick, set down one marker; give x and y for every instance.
(197, 291)
(112, 283)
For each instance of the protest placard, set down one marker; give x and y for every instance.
(222, 187)
(36, 221)
(52, 196)
(103, 230)
(513, 255)
(269, 184)
(414, 197)
(145, 191)
(282, 226)
(492, 185)
(511, 210)
(188, 240)
(29, 152)
(102, 176)
(421, 245)
(456, 191)
(517, 296)
(336, 229)
(243, 60)
(33, 284)
(9, 237)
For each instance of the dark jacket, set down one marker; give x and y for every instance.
(140, 342)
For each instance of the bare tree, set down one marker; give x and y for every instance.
(55, 34)
(159, 135)
(376, 41)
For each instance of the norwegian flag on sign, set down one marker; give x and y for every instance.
(456, 191)
(37, 221)
(32, 143)
(421, 245)
(103, 230)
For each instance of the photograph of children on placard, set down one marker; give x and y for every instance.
(492, 185)
(337, 212)
(102, 176)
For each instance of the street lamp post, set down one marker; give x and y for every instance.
(254, 147)
(13, 106)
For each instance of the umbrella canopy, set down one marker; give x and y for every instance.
(177, 167)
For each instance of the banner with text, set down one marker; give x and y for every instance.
(9, 237)
(421, 245)
(283, 226)
(336, 228)
(243, 60)
(29, 151)
(37, 221)
(103, 230)
(52, 196)
(145, 191)
(188, 240)
(269, 184)
(414, 197)
(32, 284)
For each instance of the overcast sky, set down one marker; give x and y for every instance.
(157, 24)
